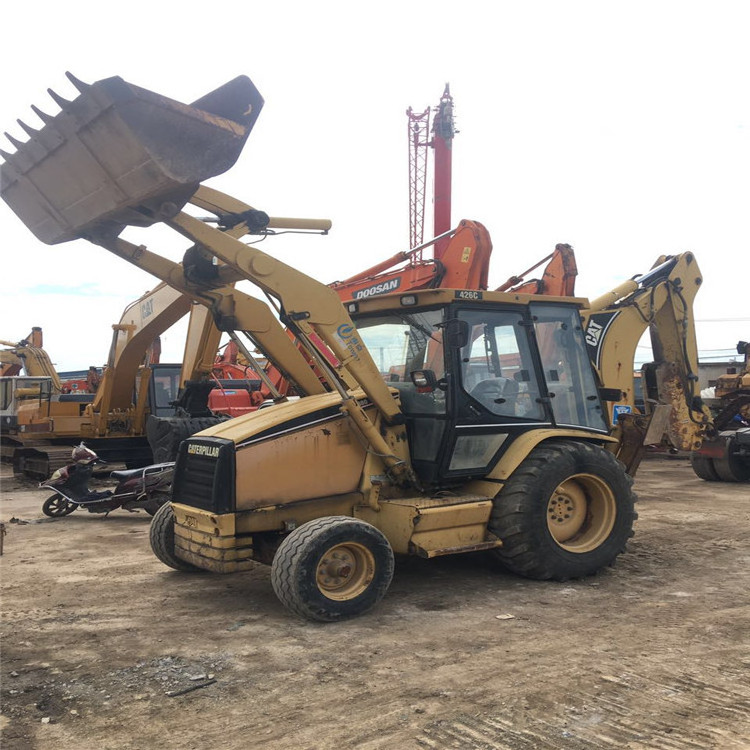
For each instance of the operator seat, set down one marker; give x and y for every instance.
(497, 394)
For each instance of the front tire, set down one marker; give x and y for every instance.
(161, 536)
(57, 506)
(566, 512)
(332, 569)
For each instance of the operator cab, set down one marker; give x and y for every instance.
(16, 390)
(473, 374)
(163, 389)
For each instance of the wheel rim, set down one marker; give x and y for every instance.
(581, 513)
(58, 506)
(345, 571)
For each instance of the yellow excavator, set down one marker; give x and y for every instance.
(40, 424)
(436, 422)
(29, 356)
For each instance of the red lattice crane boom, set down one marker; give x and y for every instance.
(442, 131)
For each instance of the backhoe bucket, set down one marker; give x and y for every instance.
(119, 154)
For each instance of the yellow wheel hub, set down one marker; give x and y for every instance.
(345, 571)
(581, 513)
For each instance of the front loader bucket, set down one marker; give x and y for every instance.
(117, 153)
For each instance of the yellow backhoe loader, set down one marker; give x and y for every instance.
(435, 422)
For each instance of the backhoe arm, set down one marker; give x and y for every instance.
(141, 322)
(662, 302)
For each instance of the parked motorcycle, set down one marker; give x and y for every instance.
(147, 488)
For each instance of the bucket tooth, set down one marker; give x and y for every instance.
(6, 155)
(14, 141)
(43, 116)
(116, 153)
(59, 100)
(79, 84)
(27, 128)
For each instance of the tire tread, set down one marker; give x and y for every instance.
(511, 517)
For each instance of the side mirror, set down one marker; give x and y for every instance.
(424, 380)
(456, 333)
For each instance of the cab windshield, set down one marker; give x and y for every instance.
(401, 343)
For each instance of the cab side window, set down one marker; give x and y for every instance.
(496, 365)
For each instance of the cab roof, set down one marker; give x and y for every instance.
(430, 297)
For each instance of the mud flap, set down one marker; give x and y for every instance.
(166, 433)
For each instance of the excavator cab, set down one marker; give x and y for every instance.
(17, 390)
(164, 386)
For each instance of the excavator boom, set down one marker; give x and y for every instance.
(28, 355)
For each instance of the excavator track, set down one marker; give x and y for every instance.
(41, 462)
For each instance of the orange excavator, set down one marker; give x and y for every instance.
(463, 264)
(460, 256)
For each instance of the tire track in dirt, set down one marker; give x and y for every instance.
(633, 710)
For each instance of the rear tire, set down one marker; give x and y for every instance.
(57, 506)
(332, 569)
(733, 468)
(566, 512)
(704, 468)
(161, 536)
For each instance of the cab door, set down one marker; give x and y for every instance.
(497, 389)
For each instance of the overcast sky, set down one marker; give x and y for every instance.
(620, 128)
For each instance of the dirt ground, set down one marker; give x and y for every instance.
(97, 636)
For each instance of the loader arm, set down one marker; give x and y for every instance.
(308, 307)
(138, 158)
(312, 310)
(660, 301)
